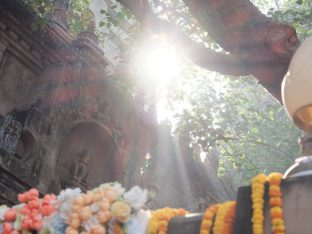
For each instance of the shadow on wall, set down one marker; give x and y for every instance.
(88, 156)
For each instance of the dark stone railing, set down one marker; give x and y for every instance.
(297, 208)
(10, 187)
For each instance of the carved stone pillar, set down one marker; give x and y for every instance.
(60, 13)
(87, 45)
(63, 3)
(89, 34)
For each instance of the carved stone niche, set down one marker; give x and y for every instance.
(88, 157)
(25, 163)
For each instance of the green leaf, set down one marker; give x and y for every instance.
(101, 24)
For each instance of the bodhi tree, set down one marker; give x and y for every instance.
(250, 130)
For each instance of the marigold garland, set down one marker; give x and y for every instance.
(275, 203)
(220, 217)
(223, 214)
(229, 219)
(258, 187)
(208, 217)
(158, 223)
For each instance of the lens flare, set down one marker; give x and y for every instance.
(158, 63)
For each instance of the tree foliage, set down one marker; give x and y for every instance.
(239, 119)
(234, 116)
(79, 16)
(296, 13)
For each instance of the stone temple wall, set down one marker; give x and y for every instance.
(63, 122)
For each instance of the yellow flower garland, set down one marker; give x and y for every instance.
(225, 213)
(257, 188)
(275, 203)
(220, 217)
(158, 223)
(208, 217)
(276, 211)
(223, 223)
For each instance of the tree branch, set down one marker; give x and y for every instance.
(205, 57)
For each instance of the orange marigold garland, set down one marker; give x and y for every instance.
(208, 217)
(257, 188)
(275, 203)
(220, 217)
(229, 219)
(158, 223)
(223, 214)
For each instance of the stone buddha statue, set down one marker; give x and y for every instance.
(79, 171)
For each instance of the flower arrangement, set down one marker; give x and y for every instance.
(106, 209)
(111, 209)
(28, 216)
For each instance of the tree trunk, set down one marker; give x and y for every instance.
(264, 47)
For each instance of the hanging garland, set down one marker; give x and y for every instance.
(257, 188)
(207, 221)
(275, 203)
(218, 219)
(229, 219)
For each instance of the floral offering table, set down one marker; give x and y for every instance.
(269, 205)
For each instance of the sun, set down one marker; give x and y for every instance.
(158, 63)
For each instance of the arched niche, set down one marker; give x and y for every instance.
(103, 163)
(26, 146)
